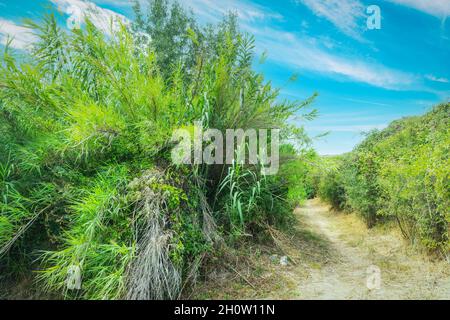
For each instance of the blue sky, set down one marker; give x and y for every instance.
(365, 78)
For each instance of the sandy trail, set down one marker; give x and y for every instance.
(332, 256)
(359, 254)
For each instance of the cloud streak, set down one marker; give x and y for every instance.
(436, 79)
(346, 128)
(437, 8)
(105, 20)
(346, 15)
(213, 10)
(21, 36)
(307, 54)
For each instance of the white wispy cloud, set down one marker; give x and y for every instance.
(437, 8)
(346, 15)
(437, 79)
(104, 19)
(21, 37)
(346, 128)
(287, 48)
(116, 3)
(304, 53)
(213, 10)
(374, 103)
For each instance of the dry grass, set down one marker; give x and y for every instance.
(253, 271)
(152, 274)
(329, 256)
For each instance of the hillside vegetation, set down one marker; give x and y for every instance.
(401, 173)
(86, 180)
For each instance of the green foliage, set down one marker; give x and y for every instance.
(402, 174)
(249, 197)
(299, 173)
(417, 172)
(86, 123)
(97, 240)
(331, 190)
(171, 30)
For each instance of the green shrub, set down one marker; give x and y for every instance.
(402, 174)
(332, 190)
(86, 122)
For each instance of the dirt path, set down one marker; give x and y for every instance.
(359, 255)
(332, 256)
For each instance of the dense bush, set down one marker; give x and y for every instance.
(86, 123)
(330, 187)
(415, 177)
(298, 173)
(401, 173)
